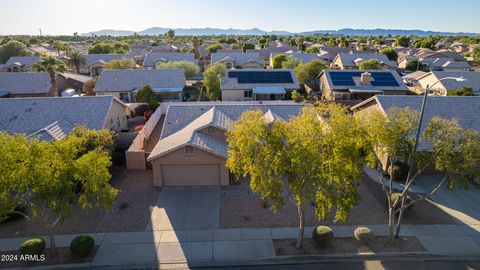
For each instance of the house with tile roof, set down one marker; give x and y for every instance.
(436, 64)
(153, 59)
(258, 84)
(72, 81)
(21, 63)
(463, 109)
(25, 84)
(238, 60)
(356, 85)
(53, 118)
(472, 79)
(95, 62)
(353, 60)
(124, 83)
(192, 147)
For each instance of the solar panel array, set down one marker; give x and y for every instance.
(379, 78)
(261, 76)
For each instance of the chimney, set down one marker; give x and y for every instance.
(365, 79)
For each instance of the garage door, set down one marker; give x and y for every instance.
(191, 175)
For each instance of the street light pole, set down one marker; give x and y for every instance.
(411, 158)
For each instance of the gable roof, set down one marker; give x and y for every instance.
(24, 61)
(444, 63)
(346, 79)
(152, 58)
(250, 78)
(472, 79)
(130, 79)
(354, 59)
(76, 77)
(305, 57)
(23, 83)
(238, 57)
(93, 58)
(53, 118)
(184, 121)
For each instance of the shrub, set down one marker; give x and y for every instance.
(32, 246)
(399, 171)
(82, 245)
(394, 197)
(322, 236)
(363, 234)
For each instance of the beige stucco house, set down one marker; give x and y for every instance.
(192, 147)
(95, 62)
(353, 60)
(238, 60)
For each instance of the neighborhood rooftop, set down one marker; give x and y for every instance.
(250, 78)
(152, 59)
(105, 58)
(53, 118)
(23, 83)
(132, 79)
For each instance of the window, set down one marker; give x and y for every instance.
(124, 97)
(247, 93)
(211, 130)
(189, 150)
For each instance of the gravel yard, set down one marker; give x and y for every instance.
(242, 208)
(130, 212)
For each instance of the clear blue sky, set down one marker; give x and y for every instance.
(69, 16)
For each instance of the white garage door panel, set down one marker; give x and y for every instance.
(191, 175)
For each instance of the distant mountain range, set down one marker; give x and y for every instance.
(154, 31)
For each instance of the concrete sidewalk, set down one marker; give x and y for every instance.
(216, 245)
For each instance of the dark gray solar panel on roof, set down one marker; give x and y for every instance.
(261, 76)
(346, 78)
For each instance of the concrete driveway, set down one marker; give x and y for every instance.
(186, 208)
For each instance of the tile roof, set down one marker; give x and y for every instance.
(130, 79)
(444, 63)
(464, 109)
(183, 122)
(24, 61)
(92, 58)
(76, 77)
(238, 57)
(353, 59)
(25, 82)
(53, 117)
(472, 79)
(152, 58)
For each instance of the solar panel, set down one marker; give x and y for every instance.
(261, 76)
(379, 78)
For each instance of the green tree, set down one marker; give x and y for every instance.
(211, 80)
(196, 42)
(235, 46)
(389, 138)
(476, 53)
(170, 38)
(53, 66)
(312, 49)
(215, 47)
(263, 42)
(299, 41)
(107, 48)
(278, 60)
(371, 64)
(123, 63)
(51, 178)
(13, 48)
(89, 86)
(307, 73)
(291, 62)
(415, 65)
(464, 91)
(146, 95)
(402, 41)
(427, 43)
(316, 159)
(390, 53)
(191, 69)
(248, 46)
(76, 60)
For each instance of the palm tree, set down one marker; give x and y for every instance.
(53, 66)
(76, 59)
(170, 35)
(58, 45)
